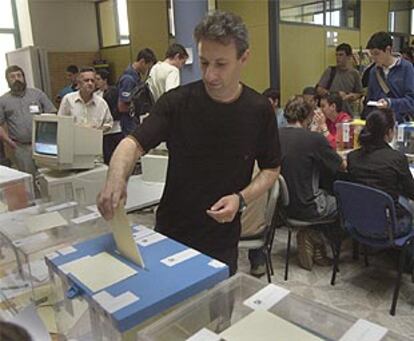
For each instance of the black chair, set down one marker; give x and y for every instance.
(265, 238)
(368, 215)
(292, 223)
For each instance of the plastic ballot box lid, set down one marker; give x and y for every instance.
(173, 272)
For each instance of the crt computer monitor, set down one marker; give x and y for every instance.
(58, 143)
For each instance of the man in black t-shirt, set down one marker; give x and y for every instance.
(215, 129)
(306, 156)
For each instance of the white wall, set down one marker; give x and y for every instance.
(25, 24)
(64, 25)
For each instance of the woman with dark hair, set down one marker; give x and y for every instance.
(377, 165)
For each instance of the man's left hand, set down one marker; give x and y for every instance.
(225, 209)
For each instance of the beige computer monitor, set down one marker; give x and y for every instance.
(58, 143)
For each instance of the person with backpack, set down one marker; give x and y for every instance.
(110, 94)
(342, 78)
(128, 83)
(391, 80)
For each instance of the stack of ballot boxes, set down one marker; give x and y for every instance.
(347, 134)
(100, 295)
(16, 189)
(31, 233)
(404, 141)
(244, 308)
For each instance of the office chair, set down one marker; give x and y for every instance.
(292, 223)
(265, 238)
(369, 216)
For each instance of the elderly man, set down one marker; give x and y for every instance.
(17, 108)
(215, 129)
(87, 107)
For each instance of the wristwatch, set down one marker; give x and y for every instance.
(242, 203)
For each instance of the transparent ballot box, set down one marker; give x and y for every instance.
(347, 134)
(100, 295)
(16, 189)
(405, 138)
(245, 308)
(27, 235)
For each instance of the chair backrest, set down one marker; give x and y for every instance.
(366, 211)
(284, 192)
(271, 203)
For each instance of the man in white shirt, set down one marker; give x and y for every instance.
(165, 75)
(88, 108)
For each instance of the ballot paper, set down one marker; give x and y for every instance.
(124, 239)
(45, 221)
(260, 325)
(99, 271)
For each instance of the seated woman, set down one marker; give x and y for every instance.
(377, 165)
(306, 156)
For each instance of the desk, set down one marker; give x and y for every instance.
(142, 194)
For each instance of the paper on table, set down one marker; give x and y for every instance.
(372, 103)
(45, 221)
(265, 326)
(124, 239)
(99, 271)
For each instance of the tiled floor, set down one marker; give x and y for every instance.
(364, 292)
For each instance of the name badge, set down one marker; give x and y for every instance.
(34, 109)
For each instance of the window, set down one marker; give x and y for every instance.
(400, 17)
(337, 13)
(113, 22)
(9, 37)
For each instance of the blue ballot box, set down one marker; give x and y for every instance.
(99, 295)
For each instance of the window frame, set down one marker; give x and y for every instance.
(357, 16)
(119, 37)
(15, 31)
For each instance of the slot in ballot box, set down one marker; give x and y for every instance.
(27, 235)
(95, 299)
(246, 308)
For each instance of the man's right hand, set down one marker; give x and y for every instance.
(110, 197)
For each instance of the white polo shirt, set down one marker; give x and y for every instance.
(94, 113)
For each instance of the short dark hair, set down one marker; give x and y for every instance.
(174, 49)
(147, 55)
(223, 27)
(14, 68)
(334, 98)
(87, 69)
(272, 93)
(309, 90)
(344, 47)
(104, 74)
(72, 69)
(297, 109)
(379, 40)
(378, 123)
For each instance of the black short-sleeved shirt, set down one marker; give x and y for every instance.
(305, 156)
(383, 168)
(212, 148)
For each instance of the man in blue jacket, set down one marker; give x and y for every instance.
(130, 79)
(391, 81)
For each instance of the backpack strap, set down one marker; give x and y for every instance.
(331, 78)
(382, 82)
